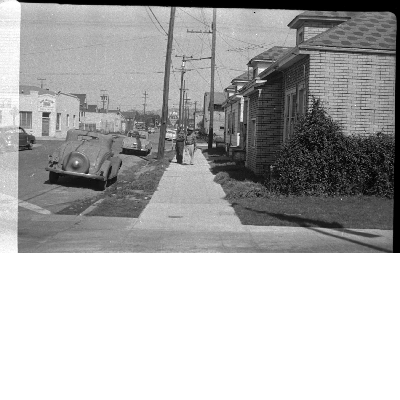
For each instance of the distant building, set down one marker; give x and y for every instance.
(129, 118)
(46, 113)
(219, 115)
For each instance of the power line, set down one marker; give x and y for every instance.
(157, 20)
(193, 17)
(153, 21)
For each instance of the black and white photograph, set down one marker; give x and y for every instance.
(152, 129)
(197, 202)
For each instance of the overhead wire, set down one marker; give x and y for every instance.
(153, 21)
(158, 21)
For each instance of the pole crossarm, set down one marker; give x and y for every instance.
(188, 31)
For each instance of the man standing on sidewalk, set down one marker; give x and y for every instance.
(191, 143)
(179, 145)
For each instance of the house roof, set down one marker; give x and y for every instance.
(91, 108)
(81, 97)
(321, 15)
(245, 76)
(26, 89)
(219, 97)
(368, 30)
(271, 54)
(128, 114)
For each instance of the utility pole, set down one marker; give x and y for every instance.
(164, 113)
(214, 37)
(103, 97)
(41, 82)
(144, 106)
(186, 111)
(181, 89)
(194, 115)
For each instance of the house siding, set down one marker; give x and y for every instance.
(357, 89)
(297, 73)
(251, 149)
(270, 125)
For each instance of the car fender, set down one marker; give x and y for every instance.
(116, 163)
(105, 168)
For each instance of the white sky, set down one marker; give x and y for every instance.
(86, 48)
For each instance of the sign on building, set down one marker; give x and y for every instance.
(46, 104)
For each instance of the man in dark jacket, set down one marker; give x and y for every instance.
(180, 144)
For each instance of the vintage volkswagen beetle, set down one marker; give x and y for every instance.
(87, 155)
(137, 141)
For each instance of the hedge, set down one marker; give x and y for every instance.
(320, 160)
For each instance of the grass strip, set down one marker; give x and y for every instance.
(254, 204)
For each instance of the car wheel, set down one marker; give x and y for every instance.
(53, 177)
(30, 146)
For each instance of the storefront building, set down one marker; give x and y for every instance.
(46, 113)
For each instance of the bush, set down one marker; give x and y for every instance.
(319, 159)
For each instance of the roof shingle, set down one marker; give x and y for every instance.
(368, 30)
(271, 54)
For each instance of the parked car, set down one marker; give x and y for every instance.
(151, 130)
(137, 141)
(85, 154)
(170, 134)
(13, 138)
(31, 138)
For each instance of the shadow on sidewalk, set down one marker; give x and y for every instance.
(315, 224)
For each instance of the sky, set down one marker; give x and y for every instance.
(122, 49)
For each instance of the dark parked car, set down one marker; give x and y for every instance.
(13, 138)
(85, 154)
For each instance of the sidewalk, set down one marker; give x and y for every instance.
(187, 214)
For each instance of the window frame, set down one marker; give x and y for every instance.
(254, 131)
(289, 112)
(58, 122)
(28, 124)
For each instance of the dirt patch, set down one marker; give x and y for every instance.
(130, 194)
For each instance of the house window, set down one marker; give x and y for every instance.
(290, 113)
(300, 36)
(73, 120)
(67, 120)
(25, 119)
(253, 131)
(58, 122)
(302, 100)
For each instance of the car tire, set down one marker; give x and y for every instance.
(53, 177)
(102, 185)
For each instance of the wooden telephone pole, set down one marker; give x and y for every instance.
(214, 37)
(164, 113)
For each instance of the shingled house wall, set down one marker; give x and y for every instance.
(357, 89)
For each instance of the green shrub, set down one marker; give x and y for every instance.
(319, 159)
